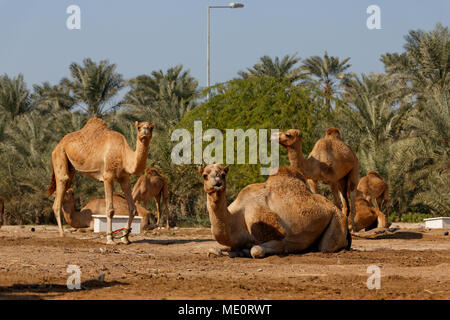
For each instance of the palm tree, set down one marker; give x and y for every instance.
(279, 69)
(162, 97)
(93, 85)
(52, 98)
(14, 96)
(325, 72)
(425, 62)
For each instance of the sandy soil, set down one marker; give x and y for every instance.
(172, 264)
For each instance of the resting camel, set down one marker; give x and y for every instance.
(83, 219)
(152, 185)
(278, 216)
(331, 161)
(375, 189)
(104, 155)
(367, 217)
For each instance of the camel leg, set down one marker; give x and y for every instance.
(266, 248)
(158, 209)
(381, 218)
(109, 189)
(62, 177)
(314, 186)
(126, 188)
(336, 235)
(337, 197)
(166, 208)
(57, 205)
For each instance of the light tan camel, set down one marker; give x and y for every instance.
(104, 155)
(151, 185)
(375, 190)
(278, 216)
(367, 217)
(83, 219)
(331, 161)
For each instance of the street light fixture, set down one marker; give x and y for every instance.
(232, 5)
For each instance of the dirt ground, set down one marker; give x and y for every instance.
(172, 264)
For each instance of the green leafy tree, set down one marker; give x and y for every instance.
(14, 96)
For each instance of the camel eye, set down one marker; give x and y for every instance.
(205, 176)
(288, 135)
(222, 175)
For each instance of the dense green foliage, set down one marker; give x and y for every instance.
(398, 123)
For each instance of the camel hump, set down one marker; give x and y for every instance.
(152, 172)
(96, 122)
(374, 173)
(333, 133)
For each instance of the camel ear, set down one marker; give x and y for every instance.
(147, 171)
(200, 171)
(226, 169)
(297, 133)
(152, 125)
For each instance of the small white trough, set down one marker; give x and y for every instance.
(437, 223)
(118, 222)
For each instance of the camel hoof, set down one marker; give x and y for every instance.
(214, 252)
(109, 240)
(125, 240)
(257, 252)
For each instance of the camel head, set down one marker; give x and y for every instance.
(333, 133)
(213, 177)
(287, 138)
(145, 131)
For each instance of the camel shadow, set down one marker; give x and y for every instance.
(404, 235)
(37, 291)
(170, 242)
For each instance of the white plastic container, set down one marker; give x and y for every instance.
(437, 223)
(118, 222)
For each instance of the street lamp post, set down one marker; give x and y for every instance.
(232, 5)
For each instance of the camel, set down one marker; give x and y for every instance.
(278, 216)
(151, 185)
(104, 155)
(83, 219)
(367, 217)
(331, 161)
(375, 189)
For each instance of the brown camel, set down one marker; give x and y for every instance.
(331, 161)
(367, 217)
(83, 219)
(375, 189)
(278, 216)
(104, 155)
(151, 185)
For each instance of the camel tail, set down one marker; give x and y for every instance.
(52, 188)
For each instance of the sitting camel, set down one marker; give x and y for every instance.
(375, 189)
(278, 216)
(83, 219)
(367, 217)
(104, 155)
(331, 161)
(151, 185)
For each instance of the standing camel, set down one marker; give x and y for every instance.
(104, 155)
(151, 185)
(83, 219)
(331, 161)
(278, 216)
(375, 189)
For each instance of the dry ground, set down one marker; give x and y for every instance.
(172, 264)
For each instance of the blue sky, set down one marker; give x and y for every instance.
(141, 36)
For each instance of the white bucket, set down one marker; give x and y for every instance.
(437, 223)
(118, 222)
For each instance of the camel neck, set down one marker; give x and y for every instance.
(295, 155)
(140, 156)
(220, 217)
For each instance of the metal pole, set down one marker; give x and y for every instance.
(207, 57)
